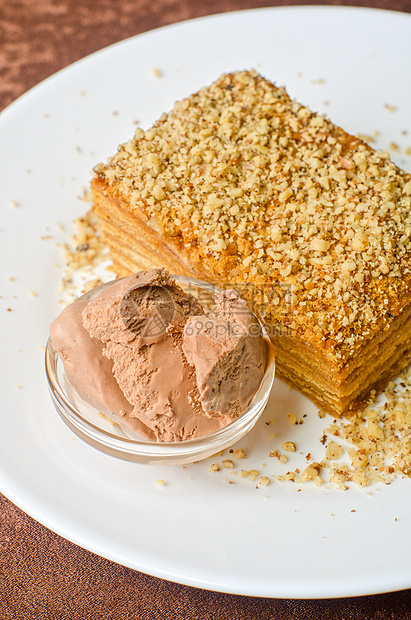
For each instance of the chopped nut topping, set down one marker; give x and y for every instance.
(258, 189)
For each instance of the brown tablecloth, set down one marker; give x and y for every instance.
(43, 576)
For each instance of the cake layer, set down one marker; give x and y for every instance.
(337, 395)
(139, 244)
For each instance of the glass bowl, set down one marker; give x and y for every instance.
(110, 437)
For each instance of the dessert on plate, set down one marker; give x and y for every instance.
(244, 187)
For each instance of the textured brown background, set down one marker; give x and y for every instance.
(43, 576)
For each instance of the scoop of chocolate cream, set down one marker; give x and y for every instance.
(228, 353)
(145, 350)
(87, 369)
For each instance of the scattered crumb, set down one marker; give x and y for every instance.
(311, 472)
(292, 418)
(83, 255)
(161, 483)
(251, 474)
(239, 454)
(157, 73)
(214, 467)
(289, 446)
(333, 450)
(390, 107)
(228, 464)
(281, 457)
(366, 138)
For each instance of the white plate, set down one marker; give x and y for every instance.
(198, 529)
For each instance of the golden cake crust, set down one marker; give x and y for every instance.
(250, 187)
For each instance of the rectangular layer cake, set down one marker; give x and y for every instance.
(242, 186)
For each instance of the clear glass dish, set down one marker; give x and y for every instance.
(109, 436)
